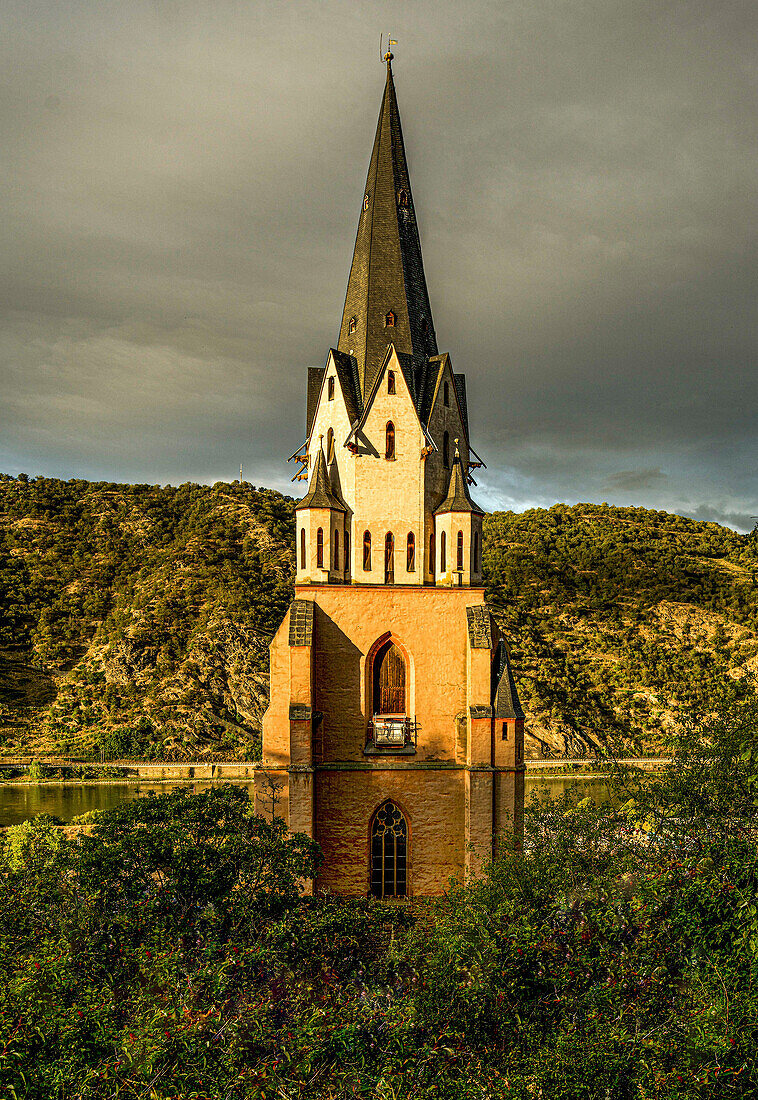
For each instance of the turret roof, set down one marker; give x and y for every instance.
(458, 498)
(320, 494)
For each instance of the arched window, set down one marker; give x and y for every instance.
(446, 450)
(302, 548)
(402, 197)
(367, 551)
(320, 548)
(459, 553)
(410, 553)
(330, 389)
(389, 852)
(446, 395)
(432, 562)
(477, 564)
(336, 558)
(347, 549)
(389, 558)
(352, 325)
(389, 441)
(389, 680)
(443, 552)
(389, 320)
(390, 381)
(329, 447)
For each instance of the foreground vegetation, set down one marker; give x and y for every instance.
(169, 953)
(136, 619)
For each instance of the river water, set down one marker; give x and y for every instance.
(19, 801)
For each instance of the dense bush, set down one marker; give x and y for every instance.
(169, 954)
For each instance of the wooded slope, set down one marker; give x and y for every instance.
(138, 617)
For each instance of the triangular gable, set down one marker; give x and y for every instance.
(405, 363)
(433, 388)
(346, 371)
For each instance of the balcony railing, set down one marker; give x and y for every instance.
(391, 733)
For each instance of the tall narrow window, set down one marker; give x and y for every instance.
(410, 553)
(446, 395)
(443, 552)
(389, 680)
(302, 548)
(352, 325)
(390, 381)
(320, 548)
(477, 563)
(347, 549)
(389, 320)
(329, 447)
(459, 553)
(389, 852)
(402, 197)
(389, 558)
(367, 551)
(365, 201)
(389, 441)
(330, 388)
(446, 450)
(336, 560)
(432, 561)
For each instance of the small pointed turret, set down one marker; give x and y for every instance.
(320, 493)
(387, 300)
(458, 498)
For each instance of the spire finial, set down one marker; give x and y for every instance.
(388, 56)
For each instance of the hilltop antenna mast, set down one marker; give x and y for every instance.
(241, 479)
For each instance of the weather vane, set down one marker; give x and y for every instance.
(390, 42)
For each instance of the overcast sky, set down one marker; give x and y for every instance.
(181, 183)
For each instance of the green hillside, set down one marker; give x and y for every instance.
(138, 617)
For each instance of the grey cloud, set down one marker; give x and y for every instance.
(181, 184)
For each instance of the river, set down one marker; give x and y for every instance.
(20, 801)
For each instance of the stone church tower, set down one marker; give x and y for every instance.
(394, 732)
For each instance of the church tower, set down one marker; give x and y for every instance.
(394, 733)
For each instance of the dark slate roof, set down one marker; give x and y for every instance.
(387, 271)
(315, 381)
(479, 626)
(458, 499)
(347, 372)
(505, 700)
(301, 622)
(460, 389)
(320, 494)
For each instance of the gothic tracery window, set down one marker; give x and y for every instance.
(389, 852)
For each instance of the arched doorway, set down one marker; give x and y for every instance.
(389, 680)
(389, 852)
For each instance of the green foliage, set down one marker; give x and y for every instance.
(31, 845)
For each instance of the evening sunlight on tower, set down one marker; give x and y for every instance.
(394, 730)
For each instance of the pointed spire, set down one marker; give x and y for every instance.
(320, 494)
(387, 300)
(458, 499)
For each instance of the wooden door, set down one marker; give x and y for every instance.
(390, 693)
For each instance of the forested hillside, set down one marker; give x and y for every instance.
(137, 618)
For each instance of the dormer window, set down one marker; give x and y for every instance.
(390, 381)
(402, 197)
(330, 388)
(365, 201)
(352, 325)
(389, 320)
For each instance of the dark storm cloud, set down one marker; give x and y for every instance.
(181, 184)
